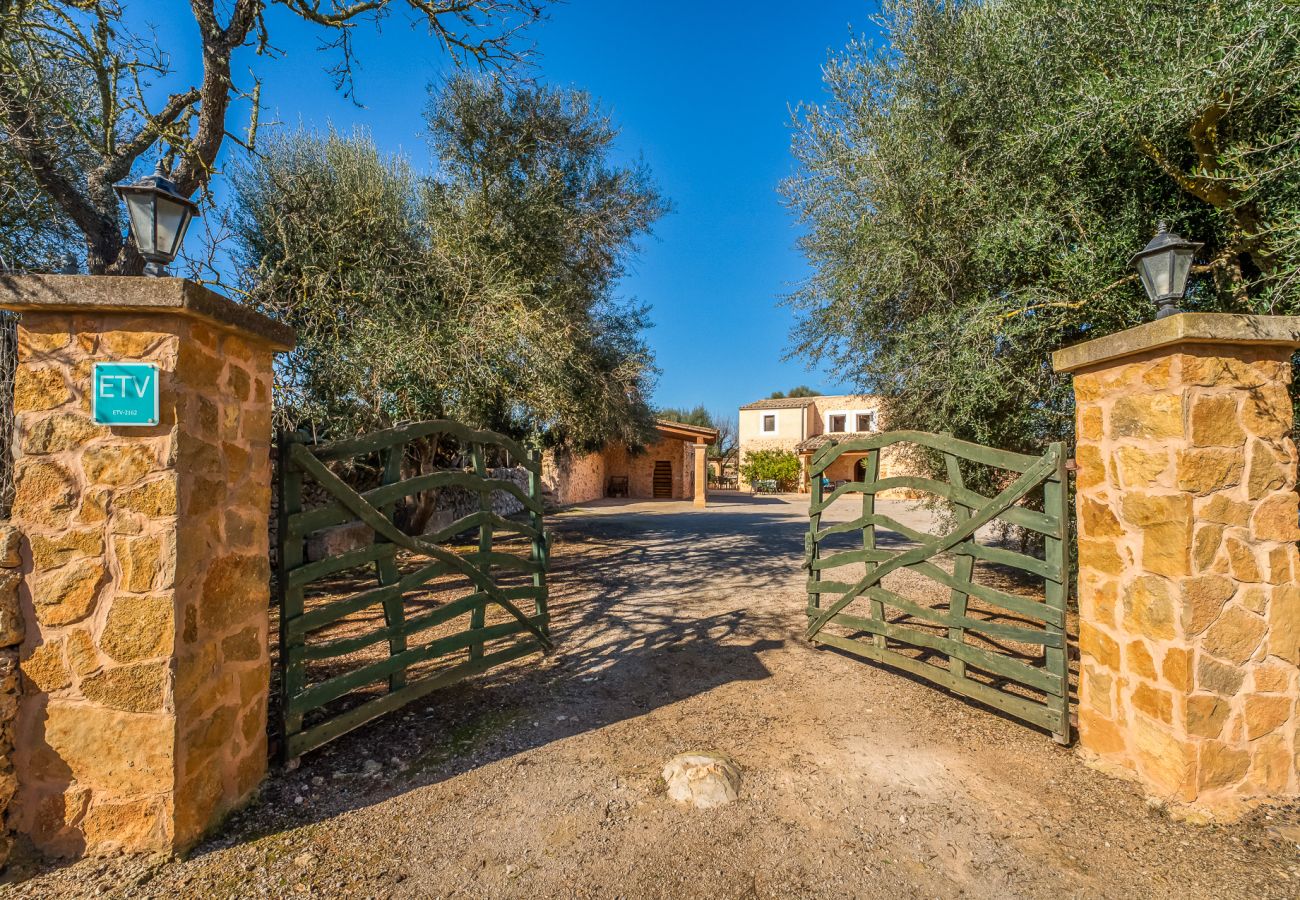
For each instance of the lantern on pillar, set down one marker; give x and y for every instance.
(157, 214)
(1164, 265)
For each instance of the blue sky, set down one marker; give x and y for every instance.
(702, 90)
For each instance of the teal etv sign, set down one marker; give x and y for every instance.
(125, 394)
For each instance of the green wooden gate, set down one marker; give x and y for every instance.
(997, 646)
(373, 627)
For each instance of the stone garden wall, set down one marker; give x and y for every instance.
(573, 479)
(457, 503)
(450, 504)
(582, 478)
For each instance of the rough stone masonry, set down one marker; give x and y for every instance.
(11, 635)
(145, 666)
(1187, 520)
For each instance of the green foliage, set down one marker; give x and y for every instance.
(41, 62)
(329, 234)
(485, 294)
(34, 234)
(528, 173)
(794, 393)
(974, 188)
(697, 416)
(781, 466)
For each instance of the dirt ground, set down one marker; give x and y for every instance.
(679, 629)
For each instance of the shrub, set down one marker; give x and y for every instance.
(781, 466)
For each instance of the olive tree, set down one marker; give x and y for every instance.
(974, 185)
(486, 293)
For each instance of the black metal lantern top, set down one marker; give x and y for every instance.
(158, 215)
(1164, 265)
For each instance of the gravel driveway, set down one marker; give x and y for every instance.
(679, 629)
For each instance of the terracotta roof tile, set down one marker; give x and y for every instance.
(821, 440)
(783, 403)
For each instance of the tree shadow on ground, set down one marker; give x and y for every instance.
(636, 627)
(651, 605)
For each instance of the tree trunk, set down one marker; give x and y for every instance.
(418, 510)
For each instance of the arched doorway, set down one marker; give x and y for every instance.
(860, 470)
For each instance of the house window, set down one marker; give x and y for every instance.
(769, 424)
(838, 424)
(866, 422)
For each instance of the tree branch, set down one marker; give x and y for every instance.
(1204, 133)
(75, 91)
(1207, 189)
(215, 89)
(1246, 218)
(119, 166)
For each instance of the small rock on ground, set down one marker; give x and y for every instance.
(704, 780)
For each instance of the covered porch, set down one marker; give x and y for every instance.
(695, 442)
(849, 467)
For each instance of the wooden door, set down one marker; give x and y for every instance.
(663, 482)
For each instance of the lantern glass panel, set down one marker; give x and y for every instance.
(1146, 279)
(1158, 274)
(139, 206)
(1182, 266)
(172, 219)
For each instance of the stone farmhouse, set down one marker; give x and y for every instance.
(803, 425)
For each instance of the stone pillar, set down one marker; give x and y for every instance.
(701, 474)
(145, 664)
(1187, 520)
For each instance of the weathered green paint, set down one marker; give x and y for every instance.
(1020, 707)
(958, 651)
(962, 568)
(388, 681)
(914, 610)
(1017, 515)
(394, 611)
(477, 616)
(409, 627)
(338, 513)
(303, 741)
(289, 557)
(1002, 459)
(990, 554)
(883, 633)
(1057, 550)
(810, 544)
(869, 521)
(384, 528)
(540, 552)
(405, 434)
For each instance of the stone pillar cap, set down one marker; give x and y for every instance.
(98, 294)
(1183, 328)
